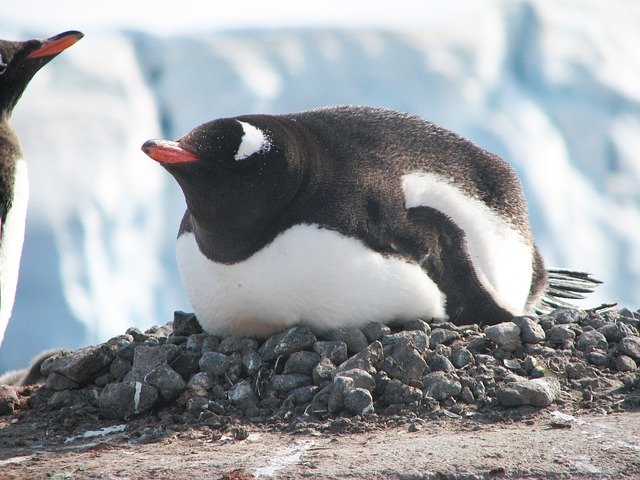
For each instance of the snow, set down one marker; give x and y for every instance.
(553, 87)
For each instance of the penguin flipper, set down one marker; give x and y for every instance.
(565, 285)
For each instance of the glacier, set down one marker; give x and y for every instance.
(552, 87)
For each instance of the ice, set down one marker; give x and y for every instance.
(553, 87)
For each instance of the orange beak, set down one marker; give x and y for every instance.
(56, 44)
(165, 151)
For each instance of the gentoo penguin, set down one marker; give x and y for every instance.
(32, 374)
(19, 62)
(340, 216)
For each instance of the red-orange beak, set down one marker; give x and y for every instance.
(56, 44)
(165, 151)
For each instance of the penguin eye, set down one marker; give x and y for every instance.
(253, 141)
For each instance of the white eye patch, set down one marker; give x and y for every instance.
(253, 141)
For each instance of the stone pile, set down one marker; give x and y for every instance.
(419, 366)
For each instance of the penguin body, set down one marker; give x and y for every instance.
(346, 215)
(19, 62)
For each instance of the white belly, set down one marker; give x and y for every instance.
(11, 244)
(307, 275)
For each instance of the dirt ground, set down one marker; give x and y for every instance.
(545, 444)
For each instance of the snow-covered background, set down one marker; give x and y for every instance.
(553, 87)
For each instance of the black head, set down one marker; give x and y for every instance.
(237, 174)
(19, 62)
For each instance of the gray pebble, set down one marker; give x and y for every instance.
(210, 343)
(366, 360)
(461, 357)
(301, 362)
(186, 364)
(417, 324)
(394, 391)
(251, 362)
(57, 381)
(624, 363)
(194, 342)
(120, 401)
(146, 358)
(417, 338)
(242, 393)
(440, 363)
(358, 401)
(334, 350)
(302, 395)
(200, 383)
(441, 386)
(361, 379)
(442, 335)
(323, 371)
(214, 363)
(185, 324)
(558, 334)
(229, 345)
(120, 367)
(614, 331)
(564, 316)
(287, 382)
(354, 338)
(375, 331)
(530, 331)
(284, 344)
(505, 335)
(404, 363)
(466, 395)
(630, 346)
(167, 381)
(590, 340)
(80, 365)
(341, 385)
(539, 392)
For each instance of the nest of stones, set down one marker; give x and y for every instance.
(589, 358)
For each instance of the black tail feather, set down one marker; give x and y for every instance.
(565, 284)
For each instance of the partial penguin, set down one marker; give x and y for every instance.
(340, 216)
(19, 62)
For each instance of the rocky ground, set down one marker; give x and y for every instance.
(174, 389)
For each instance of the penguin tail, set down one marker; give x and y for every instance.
(564, 286)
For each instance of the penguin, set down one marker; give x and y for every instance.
(31, 375)
(340, 216)
(19, 62)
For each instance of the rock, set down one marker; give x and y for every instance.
(214, 363)
(365, 360)
(539, 392)
(417, 324)
(121, 401)
(614, 332)
(418, 339)
(120, 367)
(461, 357)
(185, 324)
(168, 382)
(442, 335)
(441, 386)
(354, 338)
(80, 365)
(375, 331)
(301, 362)
(56, 381)
(505, 335)
(466, 395)
(186, 364)
(286, 383)
(302, 395)
(334, 350)
(395, 392)
(404, 363)
(242, 393)
(630, 346)
(284, 344)
(230, 345)
(8, 399)
(590, 340)
(194, 341)
(200, 383)
(358, 401)
(147, 357)
(624, 363)
(440, 363)
(251, 362)
(361, 379)
(598, 357)
(210, 344)
(565, 316)
(323, 371)
(341, 385)
(559, 334)
(530, 331)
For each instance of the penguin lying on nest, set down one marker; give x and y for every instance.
(340, 216)
(19, 62)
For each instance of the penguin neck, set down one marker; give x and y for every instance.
(10, 152)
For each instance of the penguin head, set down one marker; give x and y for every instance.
(19, 62)
(235, 173)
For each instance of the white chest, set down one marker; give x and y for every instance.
(307, 275)
(11, 244)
